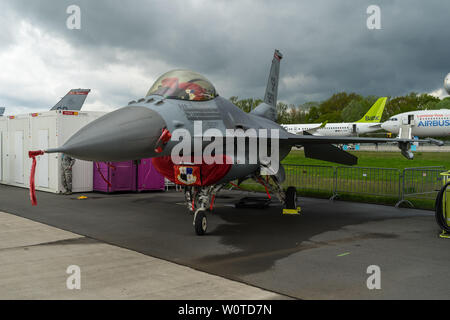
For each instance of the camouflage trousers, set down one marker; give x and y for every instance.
(66, 178)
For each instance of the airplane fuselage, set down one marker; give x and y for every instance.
(343, 129)
(220, 114)
(424, 123)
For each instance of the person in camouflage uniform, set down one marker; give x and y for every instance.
(66, 172)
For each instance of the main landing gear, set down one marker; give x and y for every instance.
(290, 201)
(201, 199)
(288, 198)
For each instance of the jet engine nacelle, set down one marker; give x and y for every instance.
(447, 83)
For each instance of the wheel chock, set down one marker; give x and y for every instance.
(292, 211)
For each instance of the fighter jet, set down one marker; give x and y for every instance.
(182, 106)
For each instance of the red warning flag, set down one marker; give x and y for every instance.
(33, 155)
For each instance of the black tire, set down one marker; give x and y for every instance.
(291, 198)
(439, 210)
(200, 222)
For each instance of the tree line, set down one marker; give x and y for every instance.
(345, 107)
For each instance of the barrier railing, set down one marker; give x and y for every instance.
(420, 183)
(367, 181)
(310, 177)
(417, 183)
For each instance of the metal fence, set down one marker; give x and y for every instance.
(420, 183)
(310, 177)
(367, 181)
(409, 183)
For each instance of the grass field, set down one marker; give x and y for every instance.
(379, 159)
(316, 178)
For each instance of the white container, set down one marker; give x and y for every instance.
(39, 131)
(3, 135)
(17, 146)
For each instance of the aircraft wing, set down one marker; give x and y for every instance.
(319, 126)
(323, 147)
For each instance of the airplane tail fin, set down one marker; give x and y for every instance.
(375, 112)
(73, 100)
(271, 94)
(267, 109)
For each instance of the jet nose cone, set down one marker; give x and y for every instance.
(128, 133)
(386, 126)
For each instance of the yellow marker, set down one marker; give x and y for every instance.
(292, 211)
(82, 197)
(444, 235)
(343, 254)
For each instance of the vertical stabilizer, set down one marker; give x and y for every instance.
(375, 112)
(268, 108)
(73, 100)
(272, 84)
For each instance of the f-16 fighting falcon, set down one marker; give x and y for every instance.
(180, 123)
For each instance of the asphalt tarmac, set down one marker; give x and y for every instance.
(324, 253)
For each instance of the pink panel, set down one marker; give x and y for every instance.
(121, 175)
(148, 178)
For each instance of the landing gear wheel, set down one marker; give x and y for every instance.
(291, 198)
(200, 222)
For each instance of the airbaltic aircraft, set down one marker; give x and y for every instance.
(369, 123)
(424, 123)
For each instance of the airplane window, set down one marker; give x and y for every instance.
(183, 85)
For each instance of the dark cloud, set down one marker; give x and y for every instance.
(326, 44)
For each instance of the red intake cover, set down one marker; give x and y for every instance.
(203, 174)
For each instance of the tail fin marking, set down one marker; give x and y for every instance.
(73, 100)
(375, 112)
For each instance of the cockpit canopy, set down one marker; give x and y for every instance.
(183, 85)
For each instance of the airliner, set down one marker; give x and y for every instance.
(424, 123)
(369, 123)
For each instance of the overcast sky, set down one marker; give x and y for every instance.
(123, 46)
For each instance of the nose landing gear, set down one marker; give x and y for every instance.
(198, 201)
(200, 222)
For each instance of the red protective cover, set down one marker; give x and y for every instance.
(209, 173)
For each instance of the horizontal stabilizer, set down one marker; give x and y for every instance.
(329, 152)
